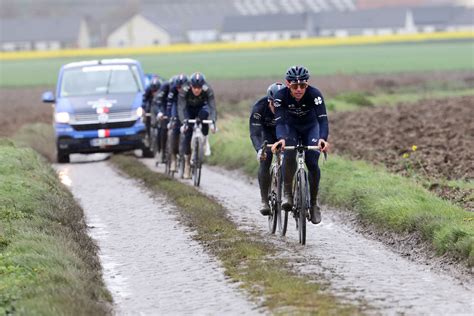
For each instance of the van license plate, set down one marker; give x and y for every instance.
(99, 142)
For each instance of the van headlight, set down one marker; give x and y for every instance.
(62, 117)
(139, 112)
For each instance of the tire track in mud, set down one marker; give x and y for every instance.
(151, 263)
(359, 269)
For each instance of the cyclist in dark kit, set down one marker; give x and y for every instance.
(262, 128)
(148, 97)
(179, 82)
(300, 113)
(195, 101)
(161, 115)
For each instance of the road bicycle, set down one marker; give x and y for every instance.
(300, 189)
(161, 138)
(159, 133)
(198, 140)
(274, 194)
(171, 146)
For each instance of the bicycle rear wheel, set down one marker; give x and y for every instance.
(282, 215)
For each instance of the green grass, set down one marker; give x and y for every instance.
(353, 101)
(48, 263)
(383, 58)
(387, 201)
(245, 259)
(38, 136)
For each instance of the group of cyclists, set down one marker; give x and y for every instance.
(290, 112)
(169, 105)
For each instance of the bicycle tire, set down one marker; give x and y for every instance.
(302, 205)
(197, 178)
(167, 167)
(181, 167)
(273, 202)
(154, 141)
(282, 219)
(195, 162)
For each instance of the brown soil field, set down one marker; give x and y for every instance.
(442, 130)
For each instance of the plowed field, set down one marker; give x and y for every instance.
(441, 130)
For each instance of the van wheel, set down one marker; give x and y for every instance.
(147, 153)
(62, 157)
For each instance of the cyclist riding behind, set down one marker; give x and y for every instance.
(300, 113)
(262, 128)
(150, 93)
(158, 112)
(179, 82)
(195, 100)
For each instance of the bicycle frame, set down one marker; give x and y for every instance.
(301, 198)
(197, 148)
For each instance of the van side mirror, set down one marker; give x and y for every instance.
(48, 97)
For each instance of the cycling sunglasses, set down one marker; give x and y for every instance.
(295, 85)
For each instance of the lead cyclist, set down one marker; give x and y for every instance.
(300, 112)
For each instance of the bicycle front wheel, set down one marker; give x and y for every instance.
(302, 204)
(273, 201)
(196, 163)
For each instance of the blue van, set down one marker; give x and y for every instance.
(99, 107)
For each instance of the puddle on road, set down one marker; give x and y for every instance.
(358, 268)
(151, 263)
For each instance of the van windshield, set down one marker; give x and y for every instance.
(101, 79)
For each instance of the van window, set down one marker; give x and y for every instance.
(101, 79)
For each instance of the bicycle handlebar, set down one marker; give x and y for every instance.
(303, 147)
(202, 121)
(296, 147)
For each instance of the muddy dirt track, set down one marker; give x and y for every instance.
(359, 269)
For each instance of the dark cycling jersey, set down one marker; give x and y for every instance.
(306, 112)
(262, 123)
(161, 99)
(188, 102)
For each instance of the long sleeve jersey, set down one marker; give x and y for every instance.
(261, 123)
(186, 99)
(309, 110)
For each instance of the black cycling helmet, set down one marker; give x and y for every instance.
(180, 80)
(273, 89)
(197, 79)
(297, 73)
(155, 84)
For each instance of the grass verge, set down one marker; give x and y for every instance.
(48, 263)
(387, 201)
(244, 257)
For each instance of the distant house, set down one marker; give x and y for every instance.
(364, 22)
(440, 18)
(43, 33)
(265, 27)
(463, 21)
(138, 31)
